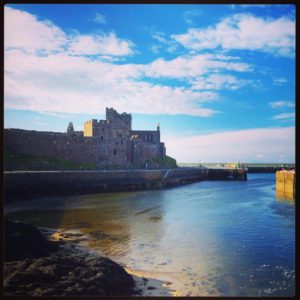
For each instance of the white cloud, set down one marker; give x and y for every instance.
(66, 80)
(278, 104)
(190, 15)
(71, 84)
(159, 36)
(217, 82)
(244, 32)
(261, 5)
(106, 44)
(253, 5)
(69, 81)
(193, 66)
(155, 48)
(24, 31)
(99, 18)
(284, 116)
(169, 44)
(261, 144)
(279, 81)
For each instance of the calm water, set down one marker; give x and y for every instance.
(208, 238)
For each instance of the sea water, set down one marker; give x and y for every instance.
(210, 238)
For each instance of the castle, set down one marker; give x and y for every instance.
(104, 143)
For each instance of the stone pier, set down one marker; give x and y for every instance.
(27, 184)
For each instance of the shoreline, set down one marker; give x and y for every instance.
(145, 284)
(73, 269)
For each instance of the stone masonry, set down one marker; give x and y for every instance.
(105, 143)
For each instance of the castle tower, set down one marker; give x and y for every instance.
(117, 120)
(70, 129)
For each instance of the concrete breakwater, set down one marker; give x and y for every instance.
(51, 183)
(263, 169)
(286, 184)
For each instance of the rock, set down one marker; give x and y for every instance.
(94, 291)
(9, 288)
(44, 261)
(23, 277)
(24, 241)
(63, 273)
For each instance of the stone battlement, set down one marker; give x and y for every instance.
(113, 116)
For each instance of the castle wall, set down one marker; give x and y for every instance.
(148, 136)
(113, 135)
(109, 142)
(117, 120)
(75, 147)
(150, 151)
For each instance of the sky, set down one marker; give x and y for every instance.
(220, 79)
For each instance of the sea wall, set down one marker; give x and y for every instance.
(271, 169)
(29, 183)
(286, 184)
(226, 173)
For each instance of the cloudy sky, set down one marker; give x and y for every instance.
(220, 79)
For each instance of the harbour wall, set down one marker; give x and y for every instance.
(286, 184)
(258, 169)
(27, 184)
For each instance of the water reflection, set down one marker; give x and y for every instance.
(113, 222)
(289, 197)
(203, 239)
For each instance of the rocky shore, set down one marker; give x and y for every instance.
(40, 264)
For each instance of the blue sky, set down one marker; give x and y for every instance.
(220, 79)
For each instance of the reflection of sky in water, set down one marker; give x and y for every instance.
(208, 238)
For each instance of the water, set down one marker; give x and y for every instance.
(210, 238)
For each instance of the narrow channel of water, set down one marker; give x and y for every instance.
(216, 238)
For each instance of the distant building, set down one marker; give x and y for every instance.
(105, 143)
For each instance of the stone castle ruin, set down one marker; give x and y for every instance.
(104, 143)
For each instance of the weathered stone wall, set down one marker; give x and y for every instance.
(74, 147)
(148, 136)
(117, 120)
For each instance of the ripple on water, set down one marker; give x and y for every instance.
(211, 238)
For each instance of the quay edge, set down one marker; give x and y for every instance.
(28, 184)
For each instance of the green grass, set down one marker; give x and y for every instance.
(167, 163)
(16, 161)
